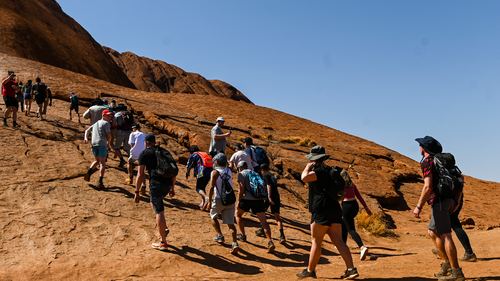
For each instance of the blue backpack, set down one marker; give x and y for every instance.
(257, 187)
(259, 155)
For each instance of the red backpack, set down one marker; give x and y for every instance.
(206, 159)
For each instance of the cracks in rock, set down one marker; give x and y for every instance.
(28, 149)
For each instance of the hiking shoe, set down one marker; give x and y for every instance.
(306, 273)
(234, 248)
(142, 191)
(350, 274)
(122, 163)
(87, 175)
(445, 270)
(129, 180)
(219, 238)
(456, 275)
(270, 247)
(282, 239)
(14, 124)
(436, 253)
(241, 237)
(469, 257)
(260, 232)
(4, 122)
(162, 246)
(101, 184)
(364, 252)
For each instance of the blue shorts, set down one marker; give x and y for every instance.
(157, 194)
(100, 151)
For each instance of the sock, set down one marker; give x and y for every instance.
(281, 232)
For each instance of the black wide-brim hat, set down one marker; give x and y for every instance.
(430, 144)
(317, 152)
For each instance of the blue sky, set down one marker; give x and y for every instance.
(385, 71)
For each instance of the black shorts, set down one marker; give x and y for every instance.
(275, 209)
(326, 218)
(40, 99)
(10, 101)
(156, 194)
(74, 106)
(257, 206)
(201, 183)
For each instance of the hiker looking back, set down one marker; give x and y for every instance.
(159, 187)
(124, 121)
(326, 215)
(95, 111)
(442, 208)
(218, 138)
(9, 87)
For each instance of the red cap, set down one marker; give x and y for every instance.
(107, 112)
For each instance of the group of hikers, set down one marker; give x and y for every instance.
(114, 128)
(17, 95)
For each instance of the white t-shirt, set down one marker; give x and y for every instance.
(137, 138)
(226, 173)
(241, 155)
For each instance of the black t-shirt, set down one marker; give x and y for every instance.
(271, 180)
(148, 158)
(40, 89)
(319, 202)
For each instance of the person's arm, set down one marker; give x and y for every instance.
(424, 196)
(8, 79)
(109, 139)
(213, 179)
(360, 198)
(192, 161)
(85, 136)
(172, 190)
(269, 194)
(221, 136)
(140, 178)
(87, 115)
(307, 174)
(241, 182)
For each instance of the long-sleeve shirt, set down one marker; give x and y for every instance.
(353, 192)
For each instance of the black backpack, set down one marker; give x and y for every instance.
(226, 194)
(127, 121)
(41, 89)
(451, 181)
(336, 190)
(259, 155)
(166, 166)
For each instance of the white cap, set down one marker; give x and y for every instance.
(221, 119)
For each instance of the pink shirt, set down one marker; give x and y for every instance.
(353, 192)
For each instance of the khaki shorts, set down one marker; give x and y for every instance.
(226, 212)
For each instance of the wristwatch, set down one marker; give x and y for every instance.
(418, 207)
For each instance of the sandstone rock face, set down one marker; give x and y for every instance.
(158, 76)
(39, 30)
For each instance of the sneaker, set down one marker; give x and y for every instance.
(469, 257)
(350, 274)
(260, 232)
(306, 273)
(4, 122)
(282, 239)
(201, 204)
(14, 124)
(129, 180)
(162, 246)
(122, 163)
(364, 252)
(456, 274)
(234, 248)
(436, 253)
(142, 191)
(241, 237)
(270, 247)
(445, 270)
(219, 238)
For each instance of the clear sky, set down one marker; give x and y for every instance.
(385, 71)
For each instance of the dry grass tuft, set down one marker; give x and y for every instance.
(267, 137)
(255, 135)
(374, 225)
(299, 141)
(302, 143)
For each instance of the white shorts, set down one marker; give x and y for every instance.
(226, 212)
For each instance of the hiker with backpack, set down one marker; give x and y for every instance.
(95, 110)
(258, 154)
(443, 203)
(251, 197)
(124, 120)
(350, 209)
(28, 98)
(326, 214)
(74, 104)
(238, 156)
(203, 166)
(48, 101)
(39, 89)
(162, 171)
(221, 200)
(9, 87)
(137, 145)
(100, 142)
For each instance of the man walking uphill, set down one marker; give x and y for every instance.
(218, 138)
(9, 87)
(442, 207)
(159, 187)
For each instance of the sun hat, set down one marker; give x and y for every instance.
(317, 152)
(430, 144)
